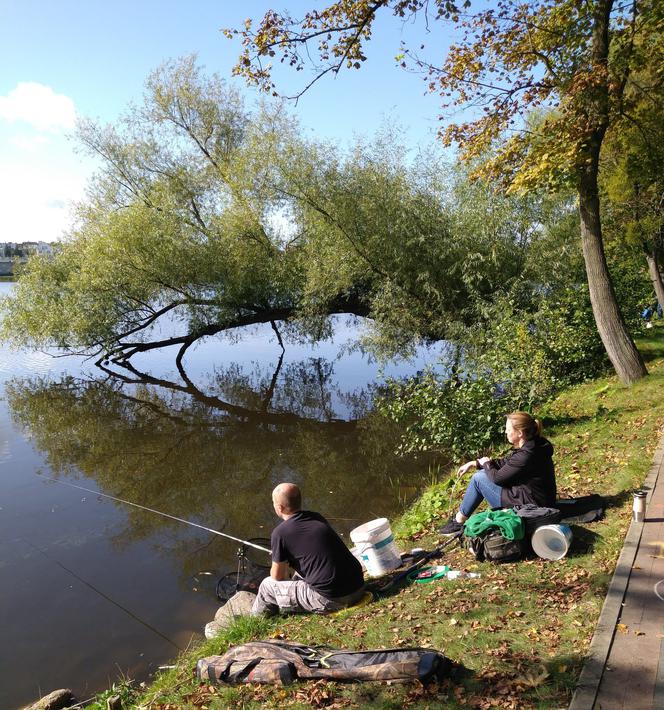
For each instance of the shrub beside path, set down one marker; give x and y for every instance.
(625, 664)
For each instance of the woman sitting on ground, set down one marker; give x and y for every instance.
(525, 475)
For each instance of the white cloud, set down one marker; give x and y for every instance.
(29, 144)
(39, 173)
(39, 106)
(34, 200)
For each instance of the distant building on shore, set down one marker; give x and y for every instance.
(12, 253)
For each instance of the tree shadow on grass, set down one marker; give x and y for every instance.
(652, 352)
(563, 420)
(449, 692)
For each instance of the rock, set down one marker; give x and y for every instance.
(56, 700)
(238, 605)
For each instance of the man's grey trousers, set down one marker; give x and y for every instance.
(294, 596)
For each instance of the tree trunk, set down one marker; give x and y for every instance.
(656, 276)
(619, 346)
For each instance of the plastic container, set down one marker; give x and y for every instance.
(551, 542)
(358, 556)
(460, 574)
(431, 574)
(428, 574)
(375, 544)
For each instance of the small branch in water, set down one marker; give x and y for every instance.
(270, 390)
(276, 330)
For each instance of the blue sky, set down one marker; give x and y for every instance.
(90, 58)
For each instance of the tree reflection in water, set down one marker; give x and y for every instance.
(213, 456)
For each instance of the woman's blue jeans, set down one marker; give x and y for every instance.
(480, 488)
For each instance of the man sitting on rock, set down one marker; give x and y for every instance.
(327, 578)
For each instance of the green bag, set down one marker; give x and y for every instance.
(505, 520)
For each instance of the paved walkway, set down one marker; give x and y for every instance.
(625, 664)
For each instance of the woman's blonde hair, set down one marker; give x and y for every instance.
(526, 424)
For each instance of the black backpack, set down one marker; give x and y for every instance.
(492, 546)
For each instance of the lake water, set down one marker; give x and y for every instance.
(90, 588)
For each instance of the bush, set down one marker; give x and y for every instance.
(534, 354)
(518, 360)
(460, 415)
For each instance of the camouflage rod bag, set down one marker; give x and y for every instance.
(280, 663)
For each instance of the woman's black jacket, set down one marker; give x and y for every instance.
(526, 474)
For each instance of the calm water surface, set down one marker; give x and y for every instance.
(90, 588)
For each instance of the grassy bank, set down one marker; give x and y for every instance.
(522, 629)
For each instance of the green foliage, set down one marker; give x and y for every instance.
(634, 289)
(460, 416)
(532, 354)
(436, 502)
(518, 360)
(122, 689)
(222, 218)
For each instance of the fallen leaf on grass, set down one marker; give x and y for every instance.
(533, 677)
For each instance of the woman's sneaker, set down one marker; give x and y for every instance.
(451, 527)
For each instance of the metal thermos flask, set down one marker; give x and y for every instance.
(639, 507)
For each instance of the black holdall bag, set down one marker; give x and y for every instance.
(534, 516)
(586, 509)
(493, 546)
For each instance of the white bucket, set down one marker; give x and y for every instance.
(551, 542)
(375, 544)
(358, 556)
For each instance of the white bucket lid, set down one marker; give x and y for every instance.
(551, 542)
(369, 531)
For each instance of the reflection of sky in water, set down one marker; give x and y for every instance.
(255, 353)
(4, 448)
(258, 353)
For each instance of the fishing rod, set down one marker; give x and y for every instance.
(158, 512)
(419, 563)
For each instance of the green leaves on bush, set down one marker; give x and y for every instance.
(518, 360)
(458, 415)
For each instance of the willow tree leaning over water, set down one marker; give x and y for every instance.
(580, 62)
(221, 218)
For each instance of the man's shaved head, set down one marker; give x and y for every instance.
(288, 497)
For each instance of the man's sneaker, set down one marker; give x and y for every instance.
(451, 527)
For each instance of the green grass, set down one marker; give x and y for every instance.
(522, 629)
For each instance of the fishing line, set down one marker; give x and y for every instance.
(101, 594)
(158, 512)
